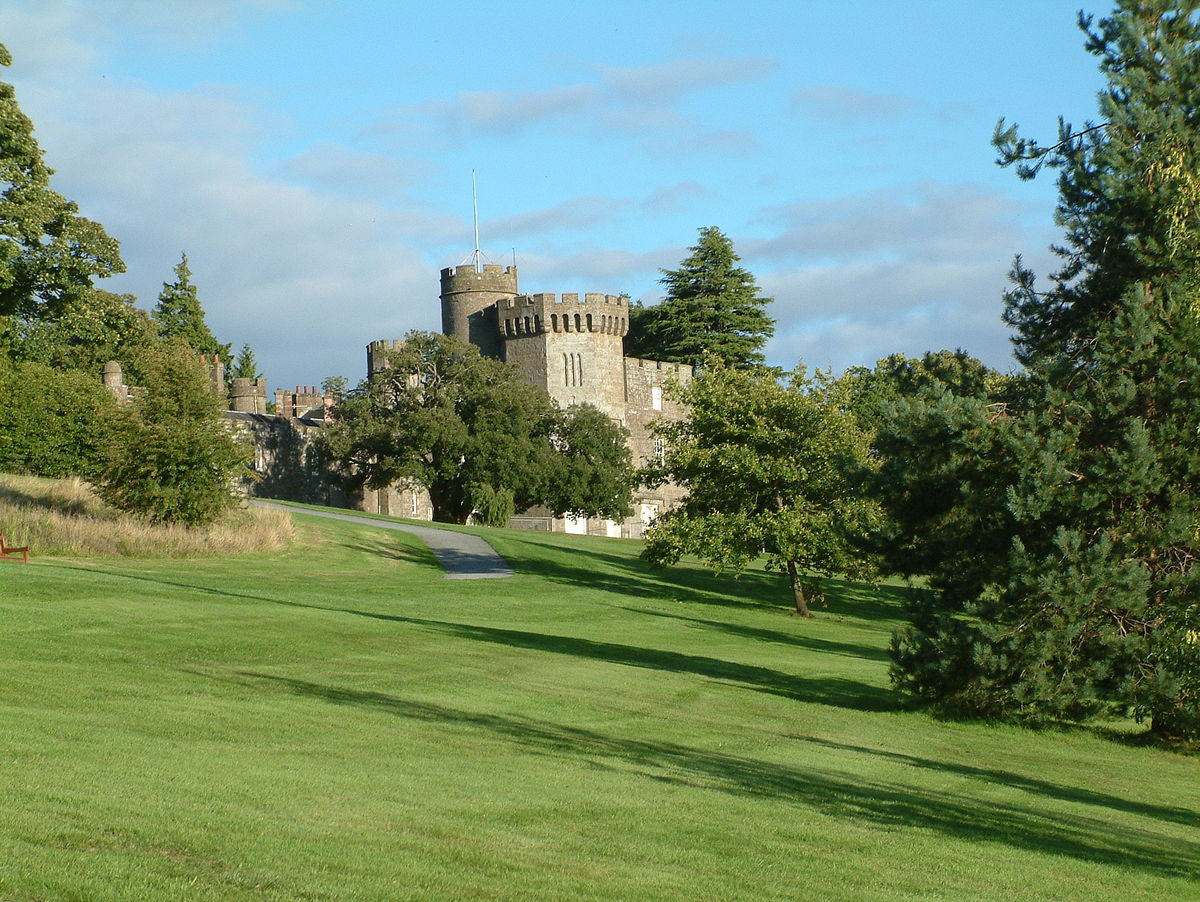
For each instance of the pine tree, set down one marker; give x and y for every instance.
(180, 316)
(1094, 608)
(49, 255)
(712, 308)
(244, 365)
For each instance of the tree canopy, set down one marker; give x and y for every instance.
(466, 427)
(1082, 498)
(712, 308)
(49, 255)
(767, 467)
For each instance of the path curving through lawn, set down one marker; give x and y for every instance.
(462, 556)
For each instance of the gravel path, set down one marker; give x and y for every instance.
(463, 556)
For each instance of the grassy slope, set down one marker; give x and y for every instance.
(341, 723)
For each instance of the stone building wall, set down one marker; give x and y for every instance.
(568, 346)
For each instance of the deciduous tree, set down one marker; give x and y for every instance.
(49, 255)
(768, 469)
(468, 429)
(171, 458)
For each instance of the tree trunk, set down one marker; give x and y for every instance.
(798, 590)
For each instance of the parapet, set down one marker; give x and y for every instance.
(305, 401)
(657, 370)
(535, 314)
(492, 277)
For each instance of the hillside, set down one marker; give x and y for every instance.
(339, 722)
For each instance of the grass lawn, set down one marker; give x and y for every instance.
(339, 722)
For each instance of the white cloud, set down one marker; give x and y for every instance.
(846, 106)
(335, 167)
(305, 275)
(895, 271)
(633, 99)
(673, 79)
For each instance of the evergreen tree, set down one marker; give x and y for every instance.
(48, 254)
(1091, 608)
(180, 316)
(712, 308)
(244, 366)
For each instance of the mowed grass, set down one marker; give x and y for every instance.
(339, 722)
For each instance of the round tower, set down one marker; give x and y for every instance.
(249, 395)
(469, 298)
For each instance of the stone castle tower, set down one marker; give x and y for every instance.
(569, 345)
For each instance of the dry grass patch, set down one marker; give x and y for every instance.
(66, 517)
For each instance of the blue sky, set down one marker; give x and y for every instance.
(314, 158)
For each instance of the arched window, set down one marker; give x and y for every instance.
(578, 323)
(589, 323)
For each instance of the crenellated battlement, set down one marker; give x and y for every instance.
(493, 277)
(538, 314)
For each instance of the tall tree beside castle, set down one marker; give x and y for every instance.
(712, 308)
(180, 316)
(1091, 609)
(49, 254)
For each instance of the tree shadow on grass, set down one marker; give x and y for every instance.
(694, 583)
(835, 691)
(842, 693)
(825, 646)
(837, 794)
(1082, 795)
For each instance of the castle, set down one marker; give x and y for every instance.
(569, 345)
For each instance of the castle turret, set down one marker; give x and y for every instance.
(114, 381)
(249, 395)
(569, 345)
(469, 296)
(378, 354)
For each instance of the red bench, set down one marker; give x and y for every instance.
(8, 553)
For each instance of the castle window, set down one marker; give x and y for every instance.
(554, 321)
(660, 451)
(579, 369)
(656, 397)
(528, 325)
(589, 323)
(566, 370)
(578, 321)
